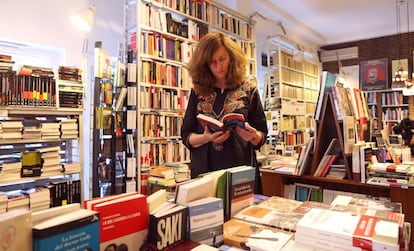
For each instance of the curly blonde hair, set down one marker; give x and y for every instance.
(199, 65)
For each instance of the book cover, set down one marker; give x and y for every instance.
(123, 221)
(270, 217)
(77, 230)
(193, 189)
(167, 227)
(240, 189)
(156, 199)
(16, 230)
(303, 167)
(328, 80)
(362, 231)
(228, 121)
(238, 233)
(206, 218)
(281, 203)
(88, 204)
(216, 175)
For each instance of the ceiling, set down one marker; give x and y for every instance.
(323, 22)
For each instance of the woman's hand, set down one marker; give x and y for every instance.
(216, 137)
(197, 140)
(249, 134)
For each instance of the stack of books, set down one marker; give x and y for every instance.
(11, 129)
(391, 174)
(50, 130)
(69, 128)
(39, 198)
(51, 161)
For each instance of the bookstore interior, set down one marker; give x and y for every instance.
(91, 156)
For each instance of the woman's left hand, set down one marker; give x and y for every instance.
(249, 134)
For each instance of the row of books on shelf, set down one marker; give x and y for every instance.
(18, 128)
(54, 193)
(37, 86)
(42, 162)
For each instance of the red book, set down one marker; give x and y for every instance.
(328, 164)
(123, 222)
(228, 121)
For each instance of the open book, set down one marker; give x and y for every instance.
(228, 121)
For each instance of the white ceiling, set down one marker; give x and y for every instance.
(323, 22)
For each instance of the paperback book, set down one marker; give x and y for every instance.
(228, 121)
(206, 218)
(168, 226)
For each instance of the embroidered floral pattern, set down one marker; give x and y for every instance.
(234, 101)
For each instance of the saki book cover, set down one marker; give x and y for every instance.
(167, 227)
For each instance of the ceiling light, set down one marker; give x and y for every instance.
(83, 20)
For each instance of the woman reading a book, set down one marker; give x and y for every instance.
(218, 71)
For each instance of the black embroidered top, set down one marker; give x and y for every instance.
(235, 150)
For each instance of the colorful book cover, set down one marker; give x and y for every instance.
(77, 230)
(124, 222)
(237, 233)
(206, 218)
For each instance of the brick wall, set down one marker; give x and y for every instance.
(391, 47)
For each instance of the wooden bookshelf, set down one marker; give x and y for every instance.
(160, 36)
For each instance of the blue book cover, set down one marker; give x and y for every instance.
(77, 231)
(205, 221)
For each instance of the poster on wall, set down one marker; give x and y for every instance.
(350, 75)
(374, 74)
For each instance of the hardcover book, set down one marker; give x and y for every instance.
(124, 221)
(77, 230)
(228, 121)
(167, 227)
(240, 189)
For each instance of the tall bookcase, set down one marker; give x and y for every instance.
(292, 87)
(387, 108)
(161, 36)
(39, 125)
(109, 122)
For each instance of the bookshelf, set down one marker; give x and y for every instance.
(70, 148)
(387, 108)
(292, 87)
(109, 151)
(160, 37)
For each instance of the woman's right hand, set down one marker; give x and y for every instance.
(216, 137)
